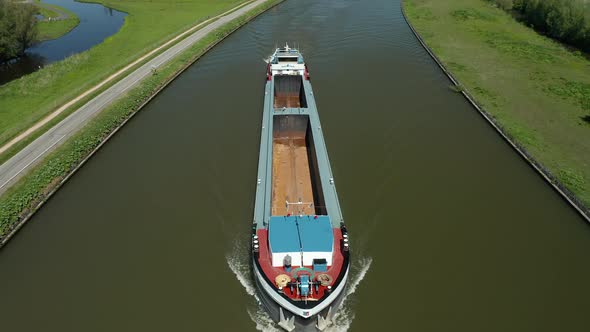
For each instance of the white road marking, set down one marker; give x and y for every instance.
(32, 161)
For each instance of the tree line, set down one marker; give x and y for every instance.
(17, 28)
(565, 20)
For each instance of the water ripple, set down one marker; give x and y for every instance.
(238, 261)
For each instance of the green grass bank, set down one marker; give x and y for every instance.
(19, 202)
(535, 88)
(27, 100)
(49, 28)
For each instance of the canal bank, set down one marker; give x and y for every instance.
(21, 201)
(80, 26)
(528, 87)
(16, 144)
(53, 21)
(462, 235)
(553, 181)
(33, 97)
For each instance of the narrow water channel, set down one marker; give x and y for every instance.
(450, 229)
(97, 22)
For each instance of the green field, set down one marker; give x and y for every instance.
(52, 29)
(47, 10)
(149, 23)
(55, 29)
(536, 89)
(26, 194)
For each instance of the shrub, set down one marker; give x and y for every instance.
(565, 20)
(505, 4)
(17, 28)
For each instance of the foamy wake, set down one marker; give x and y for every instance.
(241, 268)
(344, 316)
(262, 320)
(238, 262)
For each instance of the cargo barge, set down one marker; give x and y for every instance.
(300, 247)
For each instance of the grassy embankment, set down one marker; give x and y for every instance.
(534, 87)
(30, 138)
(50, 28)
(27, 100)
(23, 197)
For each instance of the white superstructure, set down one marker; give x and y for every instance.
(286, 61)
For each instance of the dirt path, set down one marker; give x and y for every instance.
(61, 109)
(62, 14)
(19, 164)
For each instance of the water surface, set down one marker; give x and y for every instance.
(97, 22)
(450, 229)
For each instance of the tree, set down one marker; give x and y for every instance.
(505, 4)
(25, 29)
(17, 28)
(565, 20)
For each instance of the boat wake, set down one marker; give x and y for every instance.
(262, 320)
(239, 262)
(344, 316)
(240, 266)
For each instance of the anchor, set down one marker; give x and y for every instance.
(287, 324)
(324, 322)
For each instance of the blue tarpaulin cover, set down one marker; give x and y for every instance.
(283, 234)
(316, 234)
(290, 234)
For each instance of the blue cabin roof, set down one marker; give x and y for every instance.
(283, 235)
(316, 234)
(305, 233)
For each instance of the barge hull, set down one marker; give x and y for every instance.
(311, 324)
(300, 246)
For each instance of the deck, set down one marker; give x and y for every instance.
(272, 272)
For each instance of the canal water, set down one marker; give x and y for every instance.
(97, 22)
(451, 230)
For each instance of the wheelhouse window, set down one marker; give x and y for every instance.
(288, 59)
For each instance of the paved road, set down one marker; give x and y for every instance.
(22, 162)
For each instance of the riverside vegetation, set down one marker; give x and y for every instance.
(56, 22)
(536, 89)
(22, 198)
(17, 28)
(27, 100)
(565, 20)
